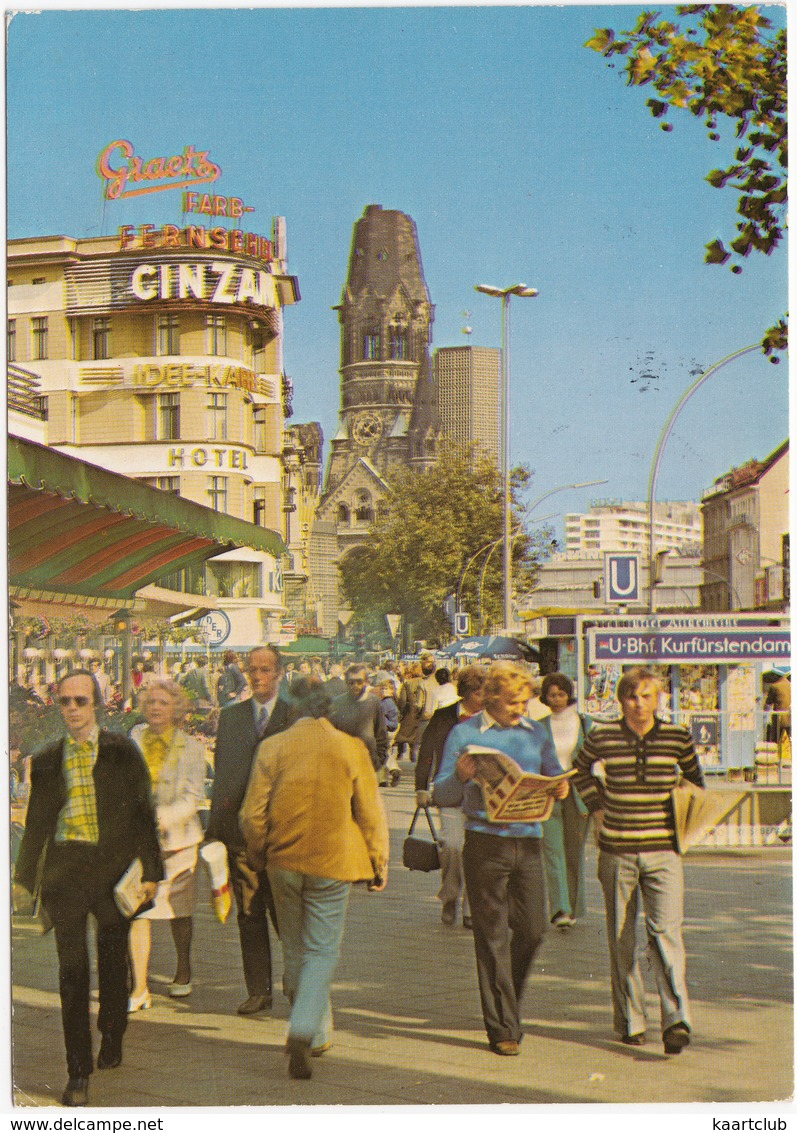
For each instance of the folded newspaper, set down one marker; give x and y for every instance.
(129, 890)
(511, 794)
(697, 811)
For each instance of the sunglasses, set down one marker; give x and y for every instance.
(78, 701)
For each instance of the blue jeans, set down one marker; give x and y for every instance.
(311, 912)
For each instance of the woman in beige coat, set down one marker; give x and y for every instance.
(313, 818)
(176, 763)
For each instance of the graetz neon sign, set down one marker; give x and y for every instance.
(185, 170)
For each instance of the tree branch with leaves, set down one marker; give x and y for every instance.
(721, 62)
(436, 521)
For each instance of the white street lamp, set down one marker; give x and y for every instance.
(504, 294)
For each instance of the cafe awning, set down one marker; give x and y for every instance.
(80, 529)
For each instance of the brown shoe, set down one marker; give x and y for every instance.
(255, 1004)
(110, 1055)
(299, 1059)
(506, 1047)
(676, 1038)
(76, 1092)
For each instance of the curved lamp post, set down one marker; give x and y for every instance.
(663, 438)
(505, 294)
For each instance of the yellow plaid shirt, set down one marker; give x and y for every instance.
(156, 748)
(78, 820)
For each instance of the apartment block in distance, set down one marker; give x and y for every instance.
(620, 525)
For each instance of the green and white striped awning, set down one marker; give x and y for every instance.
(79, 529)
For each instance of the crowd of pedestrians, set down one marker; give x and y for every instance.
(301, 759)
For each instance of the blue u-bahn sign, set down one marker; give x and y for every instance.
(621, 578)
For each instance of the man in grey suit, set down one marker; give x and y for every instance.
(357, 713)
(241, 728)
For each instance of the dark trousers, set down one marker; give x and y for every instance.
(70, 892)
(255, 903)
(506, 890)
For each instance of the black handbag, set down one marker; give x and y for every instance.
(418, 853)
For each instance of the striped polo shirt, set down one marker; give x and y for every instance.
(640, 773)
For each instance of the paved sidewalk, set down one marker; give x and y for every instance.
(407, 1018)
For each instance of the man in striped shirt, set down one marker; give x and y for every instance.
(642, 757)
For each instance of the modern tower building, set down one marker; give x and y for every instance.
(468, 380)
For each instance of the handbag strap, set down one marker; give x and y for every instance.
(426, 811)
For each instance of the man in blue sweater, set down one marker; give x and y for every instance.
(502, 861)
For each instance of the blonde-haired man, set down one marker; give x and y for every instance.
(642, 758)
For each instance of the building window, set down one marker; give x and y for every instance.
(398, 344)
(259, 430)
(101, 339)
(217, 334)
(343, 514)
(258, 350)
(40, 331)
(168, 334)
(259, 506)
(168, 416)
(371, 345)
(218, 493)
(363, 511)
(163, 483)
(11, 340)
(217, 417)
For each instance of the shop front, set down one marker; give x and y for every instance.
(712, 670)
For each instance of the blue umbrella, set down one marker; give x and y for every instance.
(493, 648)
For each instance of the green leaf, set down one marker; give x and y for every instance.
(716, 254)
(602, 39)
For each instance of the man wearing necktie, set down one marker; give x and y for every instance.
(241, 728)
(89, 816)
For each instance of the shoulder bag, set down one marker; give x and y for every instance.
(419, 853)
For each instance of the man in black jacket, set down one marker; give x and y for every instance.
(89, 816)
(241, 728)
(470, 683)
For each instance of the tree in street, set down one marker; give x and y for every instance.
(436, 521)
(721, 62)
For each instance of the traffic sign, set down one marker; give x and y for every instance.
(621, 577)
(461, 624)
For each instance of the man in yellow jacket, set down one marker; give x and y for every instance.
(313, 818)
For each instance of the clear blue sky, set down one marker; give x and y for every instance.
(519, 154)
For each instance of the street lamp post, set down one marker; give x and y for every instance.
(505, 294)
(657, 455)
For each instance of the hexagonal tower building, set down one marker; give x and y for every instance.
(386, 320)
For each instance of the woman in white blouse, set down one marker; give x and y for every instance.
(176, 763)
(565, 832)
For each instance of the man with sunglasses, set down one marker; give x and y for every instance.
(89, 816)
(642, 757)
(357, 712)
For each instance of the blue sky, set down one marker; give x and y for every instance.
(519, 154)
